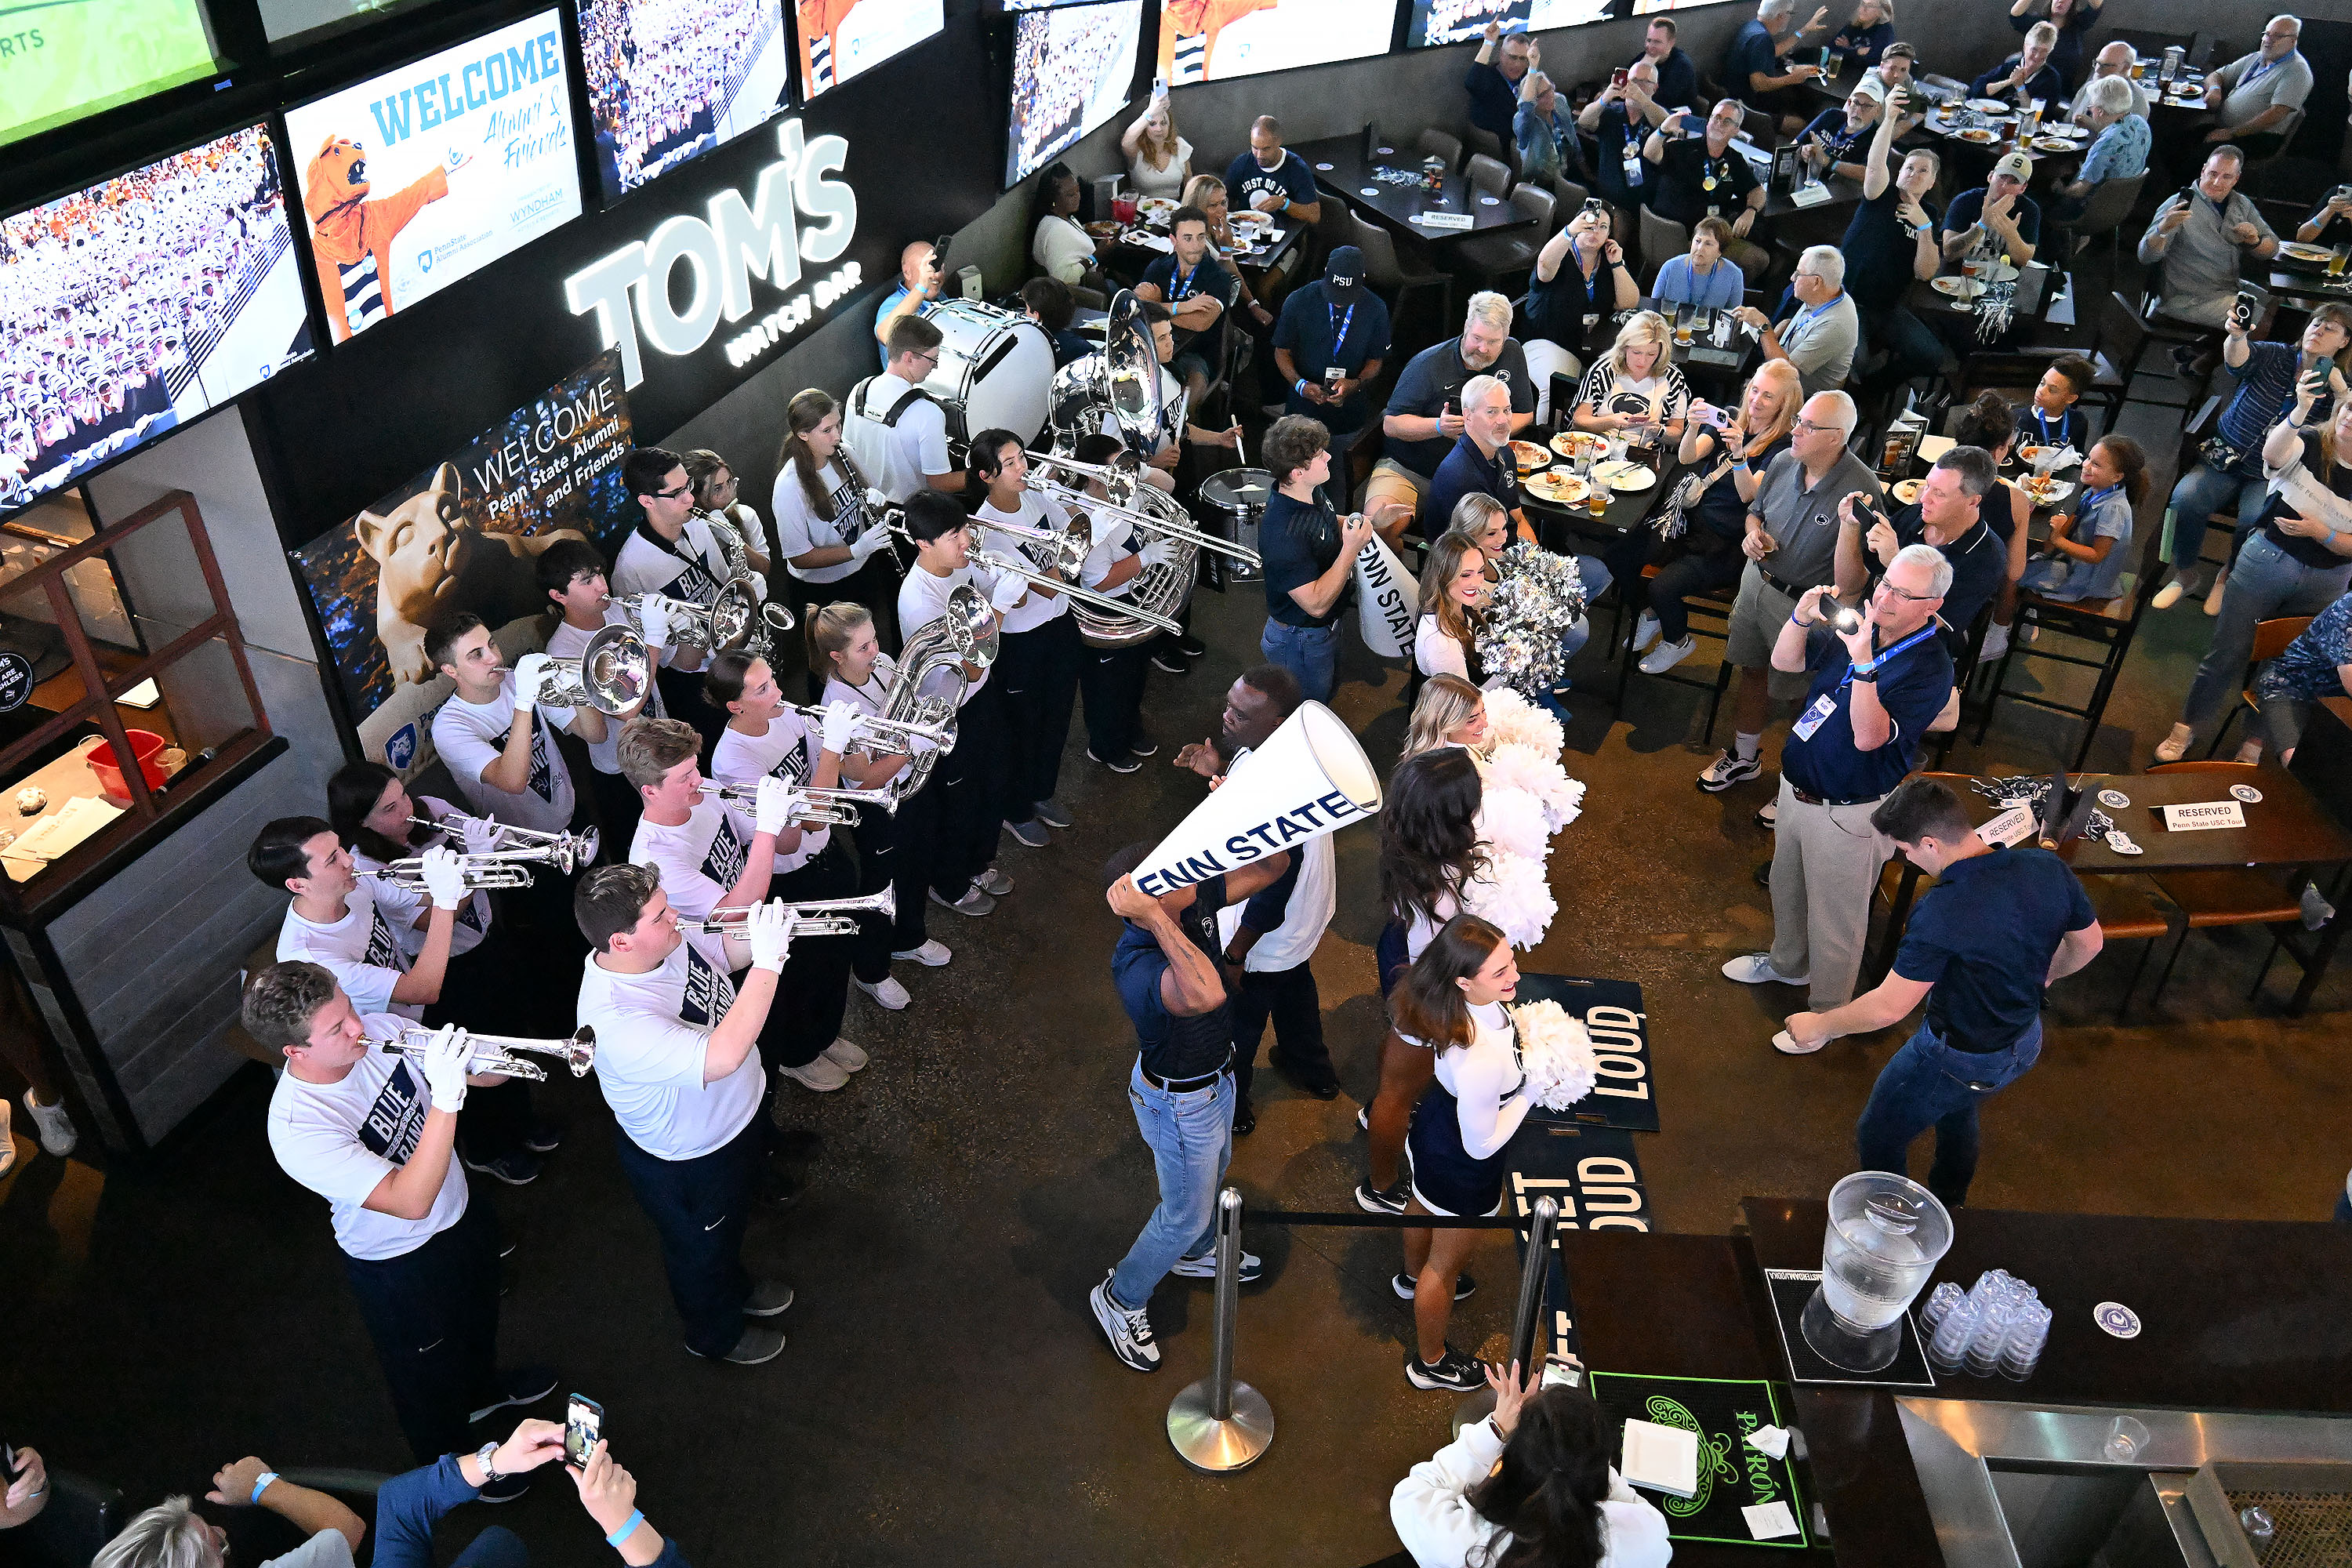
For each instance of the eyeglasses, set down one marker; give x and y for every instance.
(1808, 428)
(931, 359)
(1906, 594)
(678, 494)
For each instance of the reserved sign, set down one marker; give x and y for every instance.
(2203, 813)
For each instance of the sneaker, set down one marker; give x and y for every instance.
(1372, 1200)
(1667, 655)
(1190, 645)
(1124, 766)
(507, 1244)
(1996, 643)
(769, 1298)
(1453, 1370)
(541, 1136)
(53, 1124)
(974, 903)
(517, 1168)
(2175, 746)
(2213, 595)
(1768, 816)
(820, 1073)
(1755, 968)
(518, 1386)
(506, 1489)
(1032, 834)
(993, 882)
(2316, 911)
(885, 991)
(1763, 875)
(757, 1343)
(1726, 770)
(1645, 631)
(846, 1055)
(933, 954)
(1051, 814)
(1786, 1044)
(1405, 1285)
(1129, 1329)
(1143, 746)
(2172, 594)
(1173, 664)
(1205, 1266)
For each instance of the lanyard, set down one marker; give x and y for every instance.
(1805, 319)
(2262, 69)
(2097, 498)
(1886, 656)
(1339, 328)
(2043, 420)
(1179, 286)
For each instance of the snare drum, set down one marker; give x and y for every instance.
(1240, 494)
(995, 371)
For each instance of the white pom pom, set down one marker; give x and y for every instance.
(1556, 1054)
(1513, 821)
(1515, 897)
(1517, 765)
(1513, 720)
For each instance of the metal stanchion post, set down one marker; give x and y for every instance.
(1218, 1424)
(1542, 1223)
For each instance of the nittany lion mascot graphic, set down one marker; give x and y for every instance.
(352, 234)
(430, 556)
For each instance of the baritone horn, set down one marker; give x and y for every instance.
(612, 675)
(734, 618)
(1068, 551)
(498, 1053)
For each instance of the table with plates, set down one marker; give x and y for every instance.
(1388, 188)
(1557, 480)
(1262, 243)
(2309, 275)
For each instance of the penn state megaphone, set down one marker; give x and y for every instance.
(1387, 599)
(1310, 778)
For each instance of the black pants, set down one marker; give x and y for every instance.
(1695, 565)
(700, 1207)
(618, 807)
(1289, 996)
(1113, 680)
(969, 779)
(812, 992)
(434, 1316)
(1039, 670)
(895, 852)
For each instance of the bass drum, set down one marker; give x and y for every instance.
(995, 371)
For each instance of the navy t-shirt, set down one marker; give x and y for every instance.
(1752, 52)
(1432, 382)
(1863, 45)
(2035, 429)
(1245, 182)
(1847, 144)
(1311, 327)
(1968, 208)
(1879, 251)
(1911, 688)
(1468, 471)
(1209, 278)
(1297, 542)
(1618, 134)
(1984, 936)
(2066, 55)
(2337, 479)
(1493, 100)
(2045, 84)
(1174, 1048)
(1682, 195)
(1677, 81)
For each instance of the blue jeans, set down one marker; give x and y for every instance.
(2200, 493)
(1916, 350)
(1190, 1137)
(2265, 583)
(1310, 653)
(1929, 1084)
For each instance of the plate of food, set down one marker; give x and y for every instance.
(1249, 217)
(1956, 288)
(1156, 209)
(2053, 144)
(1578, 445)
(1562, 490)
(1622, 475)
(1996, 272)
(2295, 250)
(1907, 491)
(2030, 454)
(1979, 134)
(1993, 107)
(2043, 492)
(1104, 230)
(1530, 456)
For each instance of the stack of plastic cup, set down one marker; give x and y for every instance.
(1940, 1300)
(1953, 1331)
(1992, 1325)
(2028, 1333)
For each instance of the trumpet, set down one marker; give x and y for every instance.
(499, 867)
(811, 807)
(1119, 483)
(567, 851)
(816, 916)
(1028, 571)
(613, 674)
(496, 1053)
(872, 729)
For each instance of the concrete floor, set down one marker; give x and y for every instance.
(945, 1396)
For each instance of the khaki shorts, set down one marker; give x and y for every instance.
(1756, 617)
(1392, 481)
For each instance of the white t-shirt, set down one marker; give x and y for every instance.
(1313, 901)
(1035, 511)
(1653, 400)
(898, 459)
(694, 569)
(653, 1033)
(568, 641)
(923, 598)
(1162, 181)
(471, 736)
(1489, 1087)
(747, 523)
(404, 908)
(360, 951)
(342, 1140)
(700, 860)
(787, 752)
(873, 697)
(800, 530)
(328, 1549)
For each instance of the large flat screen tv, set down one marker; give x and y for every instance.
(840, 38)
(1072, 68)
(1436, 22)
(670, 80)
(62, 60)
(1210, 41)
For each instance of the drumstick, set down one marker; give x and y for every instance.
(1240, 449)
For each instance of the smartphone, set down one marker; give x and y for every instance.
(584, 1423)
(1620, 77)
(1720, 418)
(2323, 366)
(2247, 309)
(1159, 87)
(939, 251)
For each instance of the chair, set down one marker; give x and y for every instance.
(2271, 638)
(2108, 625)
(1389, 275)
(2115, 350)
(1662, 240)
(1761, 128)
(1502, 149)
(82, 1516)
(1442, 145)
(1491, 176)
(2103, 219)
(2127, 912)
(2237, 896)
(1713, 607)
(1510, 255)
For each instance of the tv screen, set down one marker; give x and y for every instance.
(60, 62)
(140, 302)
(1437, 22)
(425, 174)
(839, 38)
(670, 80)
(1072, 69)
(1209, 40)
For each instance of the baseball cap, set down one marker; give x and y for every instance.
(1906, 50)
(1871, 87)
(1343, 275)
(2016, 165)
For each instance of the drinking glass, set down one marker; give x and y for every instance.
(1950, 1345)
(2336, 262)
(1945, 1296)
(2125, 1438)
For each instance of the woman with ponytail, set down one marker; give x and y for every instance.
(828, 536)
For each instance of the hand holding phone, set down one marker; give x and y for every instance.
(584, 1423)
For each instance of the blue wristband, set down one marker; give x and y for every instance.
(628, 1528)
(261, 1485)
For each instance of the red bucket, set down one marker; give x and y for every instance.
(145, 744)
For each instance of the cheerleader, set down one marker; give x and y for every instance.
(1454, 590)
(828, 534)
(965, 876)
(894, 851)
(1451, 1004)
(1450, 712)
(1484, 523)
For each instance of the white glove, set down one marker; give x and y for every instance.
(445, 879)
(771, 936)
(868, 543)
(481, 835)
(446, 1056)
(653, 624)
(876, 501)
(1156, 553)
(759, 584)
(840, 723)
(772, 811)
(1009, 592)
(528, 672)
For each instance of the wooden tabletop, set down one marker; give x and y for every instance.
(1342, 168)
(2288, 827)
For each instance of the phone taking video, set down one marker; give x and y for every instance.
(583, 1425)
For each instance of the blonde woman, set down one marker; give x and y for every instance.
(1637, 387)
(1450, 712)
(1481, 520)
(1158, 160)
(1865, 38)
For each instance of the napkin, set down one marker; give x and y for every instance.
(1142, 240)
(1809, 196)
(2050, 461)
(1772, 1442)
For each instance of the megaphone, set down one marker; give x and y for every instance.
(1387, 599)
(1310, 778)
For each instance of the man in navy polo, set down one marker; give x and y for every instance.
(1949, 517)
(1481, 461)
(1877, 687)
(1998, 928)
(1493, 79)
(1758, 71)
(1329, 343)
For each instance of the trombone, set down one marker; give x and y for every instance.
(873, 730)
(815, 917)
(499, 867)
(613, 674)
(1119, 484)
(569, 849)
(1028, 571)
(496, 1053)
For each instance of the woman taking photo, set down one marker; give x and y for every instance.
(1580, 282)
(1452, 1004)
(1058, 243)
(1636, 390)
(1529, 1487)
(828, 536)
(1159, 161)
(1724, 463)
(1703, 279)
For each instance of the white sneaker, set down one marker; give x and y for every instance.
(1786, 1044)
(885, 991)
(820, 1073)
(974, 903)
(54, 1124)
(2175, 746)
(846, 1055)
(1667, 655)
(993, 882)
(1728, 769)
(1645, 631)
(1129, 1329)
(2316, 911)
(2168, 595)
(932, 954)
(1996, 643)
(1755, 968)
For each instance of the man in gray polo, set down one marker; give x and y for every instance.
(1821, 331)
(2257, 95)
(1792, 546)
(2199, 242)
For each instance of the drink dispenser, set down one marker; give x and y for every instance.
(1886, 1234)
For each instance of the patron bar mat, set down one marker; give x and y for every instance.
(1732, 1475)
(1623, 1092)
(1791, 1288)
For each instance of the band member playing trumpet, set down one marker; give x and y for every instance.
(965, 876)
(671, 552)
(333, 921)
(374, 816)
(372, 1132)
(1041, 650)
(572, 573)
(676, 1057)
